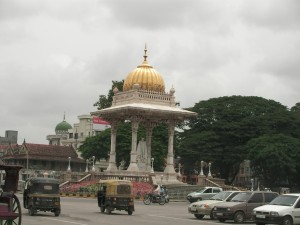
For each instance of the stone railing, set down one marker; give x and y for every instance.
(143, 96)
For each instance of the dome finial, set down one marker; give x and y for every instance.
(145, 56)
(64, 116)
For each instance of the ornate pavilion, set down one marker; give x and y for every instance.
(143, 101)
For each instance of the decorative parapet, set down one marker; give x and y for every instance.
(143, 96)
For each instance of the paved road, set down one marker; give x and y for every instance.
(84, 211)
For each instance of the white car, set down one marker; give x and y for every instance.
(204, 207)
(203, 193)
(284, 209)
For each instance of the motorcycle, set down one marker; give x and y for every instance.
(152, 198)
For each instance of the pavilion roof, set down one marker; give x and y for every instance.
(161, 111)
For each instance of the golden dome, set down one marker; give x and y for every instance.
(147, 78)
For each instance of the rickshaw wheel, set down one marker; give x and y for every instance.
(130, 211)
(108, 210)
(16, 208)
(102, 209)
(57, 212)
(31, 211)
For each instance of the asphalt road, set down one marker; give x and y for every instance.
(85, 211)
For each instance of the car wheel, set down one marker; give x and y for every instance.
(199, 216)
(199, 199)
(287, 221)
(212, 216)
(222, 220)
(239, 217)
(259, 223)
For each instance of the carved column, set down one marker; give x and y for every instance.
(112, 155)
(170, 157)
(133, 155)
(149, 130)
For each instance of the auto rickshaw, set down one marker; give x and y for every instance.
(41, 194)
(115, 195)
(10, 207)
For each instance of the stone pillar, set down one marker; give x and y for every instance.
(133, 155)
(149, 129)
(170, 157)
(112, 155)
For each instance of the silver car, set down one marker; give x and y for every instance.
(203, 193)
(205, 207)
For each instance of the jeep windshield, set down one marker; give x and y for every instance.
(221, 196)
(284, 200)
(241, 197)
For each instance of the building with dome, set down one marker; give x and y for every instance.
(61, 133)
(143, 101)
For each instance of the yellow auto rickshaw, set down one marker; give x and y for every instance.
(41, 194)
(115, 195)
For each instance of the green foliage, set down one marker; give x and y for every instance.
(224, 126)
(98, 146)
(275, 159)
(106, 101)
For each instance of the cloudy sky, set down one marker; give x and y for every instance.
(58, 56)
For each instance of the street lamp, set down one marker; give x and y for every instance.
(209, 165)
(87, 166)
(179, 165)
(252, 183)
(69, 167)
(93, 168)
(201, 172)
(152, 160)
(26, 163)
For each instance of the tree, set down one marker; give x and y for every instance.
(275, 159)
(296, 108)
(98, 146)
(224, 126)
(106, 101)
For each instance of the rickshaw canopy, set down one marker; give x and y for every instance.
(117, 187)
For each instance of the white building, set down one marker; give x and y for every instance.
(66, 135)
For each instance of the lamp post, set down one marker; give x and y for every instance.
(161, 179)
(252, 182)
(69, 167)
(209, 165)
(93, 168)
(201, 172)
(179, 165)
(152, 160)
(26, 163)
(87, 166)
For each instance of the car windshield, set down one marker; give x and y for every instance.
(285, 200)
(241, 197)
(221, 196)
(201, 190)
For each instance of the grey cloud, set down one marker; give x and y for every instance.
(272, 14)
(156, 15)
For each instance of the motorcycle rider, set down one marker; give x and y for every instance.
(157, 191)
